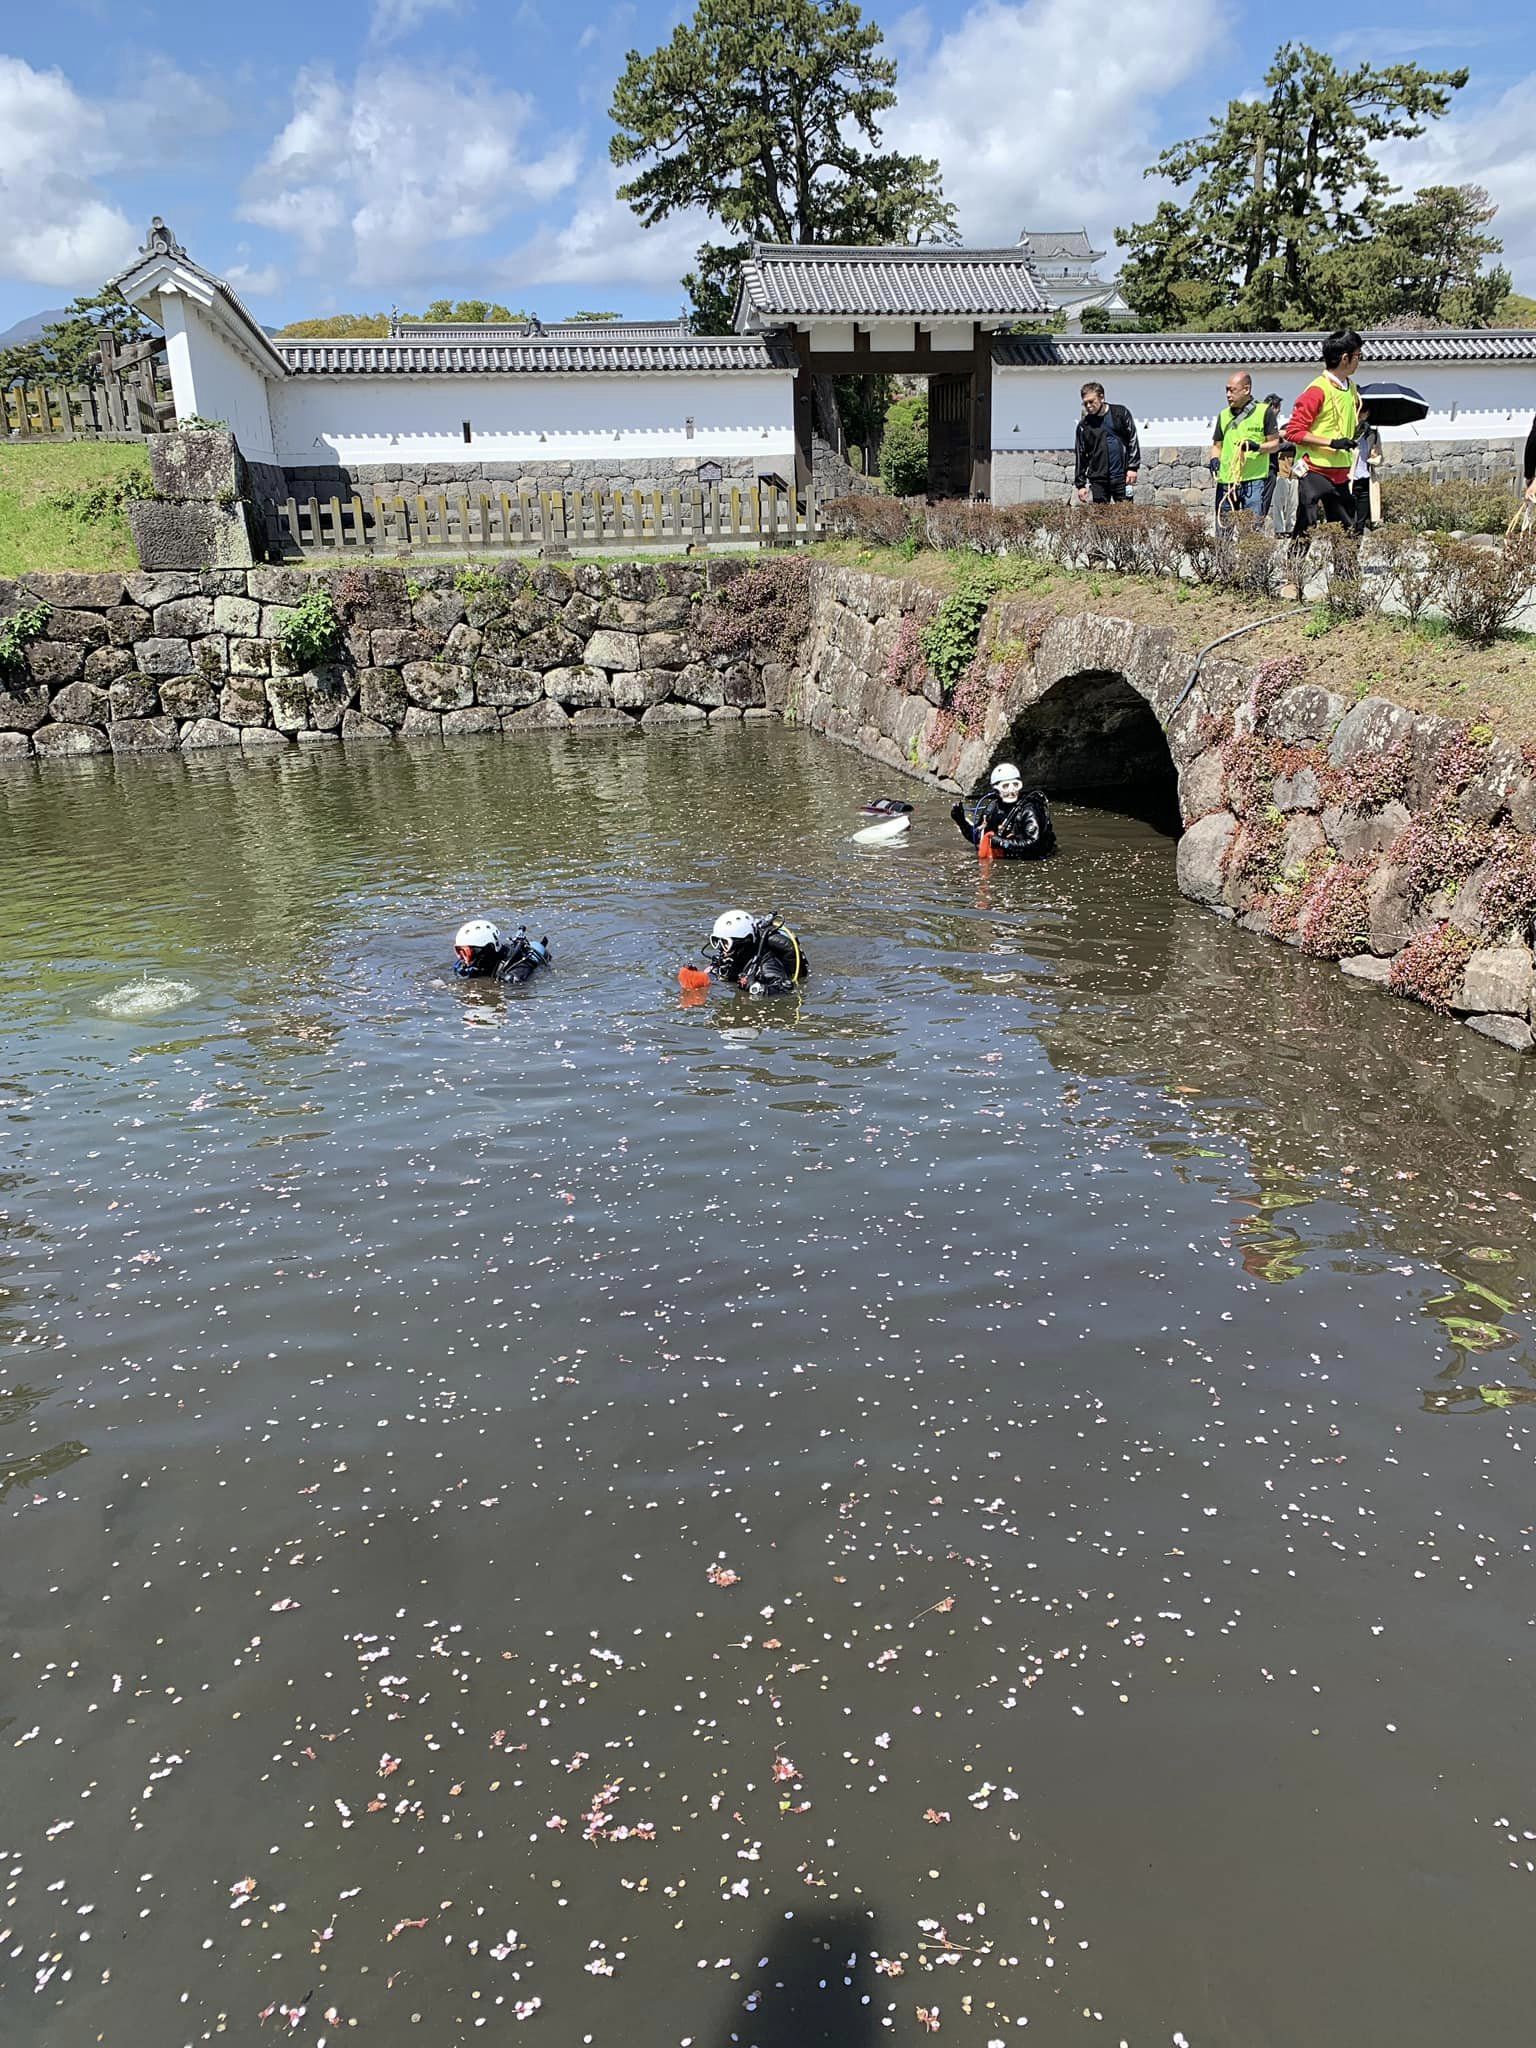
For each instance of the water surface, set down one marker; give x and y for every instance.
(995, 1490)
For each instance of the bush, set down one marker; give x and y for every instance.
(1348, 593)
(312, 634)
(1251, 560)
(1482, 589)
(1509, 892)
(765, 611)
(883, 522)
(906, 666)
(1431, 967)
(1335, 917)
(904, 449)
(1410, 567)
(16, 631)
(949, 639)
(1439, 849)
(1428, 506)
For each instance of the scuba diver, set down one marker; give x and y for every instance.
(759, 954)
(479, 950)
(1008, 823)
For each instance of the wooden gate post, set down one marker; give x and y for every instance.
(981, 413)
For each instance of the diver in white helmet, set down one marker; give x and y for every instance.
(759, 954)
(480, 950)
(1006, 821)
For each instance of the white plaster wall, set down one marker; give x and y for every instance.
(524, 416)
(1174, 408)
(211, 379)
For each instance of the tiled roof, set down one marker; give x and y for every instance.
(560, 330)
(403, 358)
(780, 283)
(1152, 351)
(1049, 247)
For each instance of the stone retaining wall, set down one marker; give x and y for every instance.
(157, 662)
(462, 479)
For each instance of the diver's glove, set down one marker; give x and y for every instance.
(957, 812)
(1343, 445)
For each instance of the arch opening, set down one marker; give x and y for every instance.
(1093, 739)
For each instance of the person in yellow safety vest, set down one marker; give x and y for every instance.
(1324, 427)
(1245, 435)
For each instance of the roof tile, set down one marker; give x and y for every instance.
(781, 282)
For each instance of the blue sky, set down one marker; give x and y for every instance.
(352, 156)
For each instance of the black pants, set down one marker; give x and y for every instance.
(1320, 502)
(1107, 490)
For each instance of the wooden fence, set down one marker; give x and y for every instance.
(522, 518)
(131, 401)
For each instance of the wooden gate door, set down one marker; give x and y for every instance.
(949, 436)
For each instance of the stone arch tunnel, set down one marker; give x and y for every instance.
(1092, 737)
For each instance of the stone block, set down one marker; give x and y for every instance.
(105, 665)
(238, 615)
(191, 536)
(743, 688)
(146, 591)
(1202, 850)
(1202, 785)
(158, 657)
(243, 701)
(663, 650)
(504, 683)
(1366, 967)
(67, 588)
(577, 685)
(726, 714)
(133, 697)
(1299, 792)
(474, 718)
(422, 725)
(437, 612)
(1360, 833)
(210, 656)
(1370, 727)
(674, 714)
(250, 657)
(1394, 920)
(89, 629)
(545, 716)
(255, 738)
(581, 614)
(698, 683)
(463, 644)
(271, 585)
(605, 717)
(318, 737)
(184, 618)
(329, 693)
(202, 466)
(394, 647)
(55, 661)
(381, 695)
(548, 580)
(56, 741)
(14, 746)
(438, 685)
(1510, 1031)
(288, 702)
(129, 623)
(208, 732)
(1498, 978)
(639, 691)
(144, 735)
(273, 619)
(778, 681)
(356, 725)
(1305, 715)
(81, 704)
(185, 698)
(614, 650)
(1303, 837)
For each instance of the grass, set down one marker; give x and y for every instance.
(38, 529)
(1423, 667)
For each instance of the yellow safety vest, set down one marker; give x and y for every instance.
(1232, 428)
(1338, 419)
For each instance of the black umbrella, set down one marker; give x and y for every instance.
(1392, 405)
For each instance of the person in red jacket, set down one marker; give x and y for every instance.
(1325, 428)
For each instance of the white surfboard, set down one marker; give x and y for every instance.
(888, 828)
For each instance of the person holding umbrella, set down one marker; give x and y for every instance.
(1530, 464)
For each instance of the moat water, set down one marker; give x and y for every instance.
(995, 1493)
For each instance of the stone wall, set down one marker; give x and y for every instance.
(463, 479)
(1179, 475)
(1400, 844)
(157, 662)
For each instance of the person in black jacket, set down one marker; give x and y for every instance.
(1530, 462)
(1108, 451)
(759, 954)
(480, 952)
(1007, 822)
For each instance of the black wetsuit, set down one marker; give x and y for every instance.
(765, 963)
(514, 960)
(1020, 830)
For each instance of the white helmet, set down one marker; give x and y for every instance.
(730, 928)
(472, 941)
(1005, 776)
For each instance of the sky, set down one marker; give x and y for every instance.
(376, 152)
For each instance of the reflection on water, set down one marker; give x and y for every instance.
(924, 1505)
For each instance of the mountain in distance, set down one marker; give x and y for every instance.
(30, 328)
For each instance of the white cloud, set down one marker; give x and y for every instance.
(395, 18)
(1044, 114)
(1491, 143)
(56, 228)
(602, 242)
(254, 281)
(383, 176)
